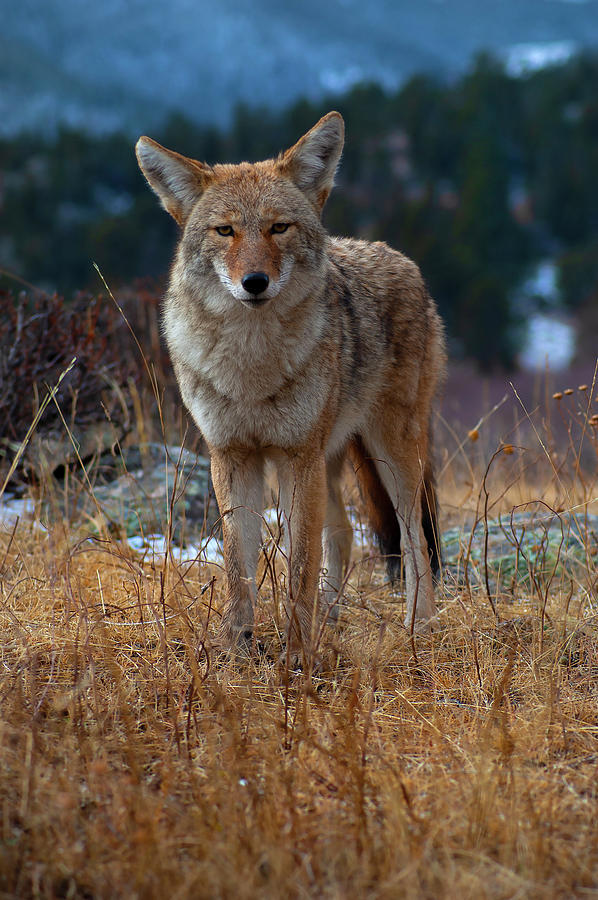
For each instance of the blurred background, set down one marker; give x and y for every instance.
(472, 144)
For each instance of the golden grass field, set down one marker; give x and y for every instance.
(136, 763)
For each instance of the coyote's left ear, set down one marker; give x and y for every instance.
(312, 162)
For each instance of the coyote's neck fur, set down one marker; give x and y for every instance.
(245, 354)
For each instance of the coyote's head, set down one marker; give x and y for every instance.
(251, 232)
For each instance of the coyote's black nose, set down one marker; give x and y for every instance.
(255, 282)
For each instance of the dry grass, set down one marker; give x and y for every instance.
(135, 763)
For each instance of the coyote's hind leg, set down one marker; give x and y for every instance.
(337, 538)
(399, 455)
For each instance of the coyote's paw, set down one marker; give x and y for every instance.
(234, 641)
(241, 647)
(295, 661)
(291, 659)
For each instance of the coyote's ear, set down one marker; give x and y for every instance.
(178, 181)
(312, 162)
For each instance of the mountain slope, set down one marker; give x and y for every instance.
(119, 64)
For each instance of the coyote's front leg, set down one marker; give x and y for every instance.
(238, 482)
(303, 489)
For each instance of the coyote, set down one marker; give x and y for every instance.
(296, 348)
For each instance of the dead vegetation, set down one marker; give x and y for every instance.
(136, 763)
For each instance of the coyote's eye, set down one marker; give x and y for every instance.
(279, 227)
(225, 230)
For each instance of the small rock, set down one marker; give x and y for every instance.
(151, 482)
(530, 544)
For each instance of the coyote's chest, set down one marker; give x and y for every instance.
(246, 383)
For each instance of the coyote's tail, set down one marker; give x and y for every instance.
(382, 515)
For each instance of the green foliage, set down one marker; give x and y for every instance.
(560, 143)
(578, 274)
(473, 179)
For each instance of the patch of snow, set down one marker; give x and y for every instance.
(362, 536)
(549, 340)
(339, 80)
(543, 283)
(137, 543)
(12, 509)
(523, 59)
(211, 551)
(156, 545)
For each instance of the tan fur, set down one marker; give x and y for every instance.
(344, 343)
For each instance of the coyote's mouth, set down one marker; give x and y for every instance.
(254, 302)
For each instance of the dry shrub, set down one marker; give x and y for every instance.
(39, 337)
(83, 349)
(63, 370)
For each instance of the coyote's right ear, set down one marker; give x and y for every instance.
(312, 162)
(178, 181)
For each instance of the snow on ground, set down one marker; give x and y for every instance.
(550, 340)
(210, 551)
(543, 283)
(156, 545)
(362, 536)
(12, 509)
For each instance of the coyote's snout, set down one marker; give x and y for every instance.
(253, 268)
(295, 348)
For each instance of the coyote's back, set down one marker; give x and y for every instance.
(297, 348)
